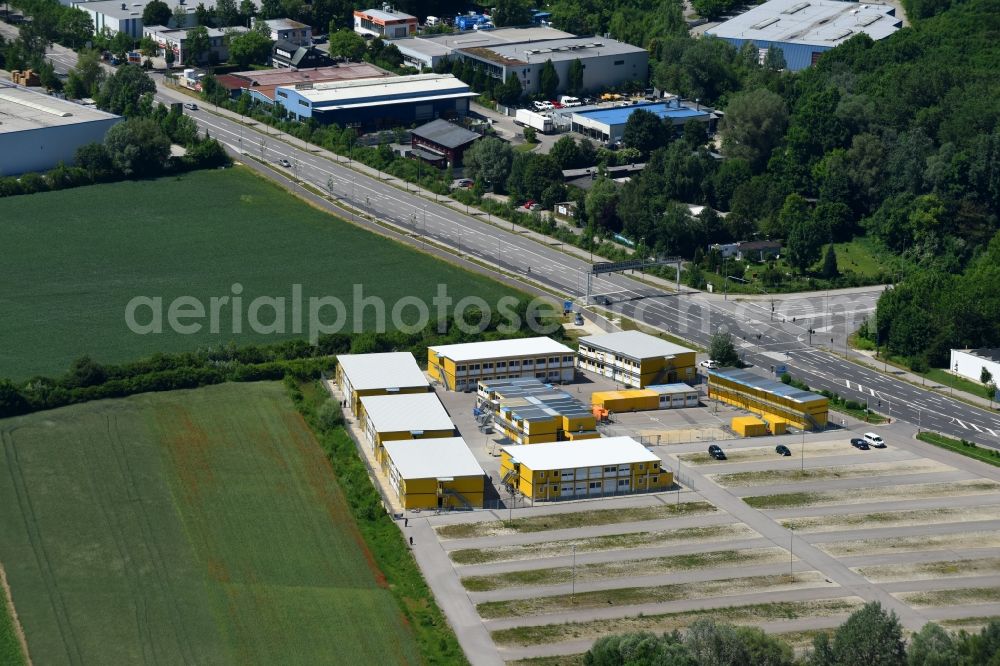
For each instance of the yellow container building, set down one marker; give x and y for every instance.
(749, 426)
(636, 359)
(385, 418)
(434, 474)
(359, 375)
(770, 399)
(602, 467)
(660, 396)
(527, 411)
(460, 367)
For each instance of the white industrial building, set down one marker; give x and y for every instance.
(113, 16)
(428, 51)
(804, 29)
(37, 131)
(969, 363)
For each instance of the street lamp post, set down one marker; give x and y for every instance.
(802, 449)
(791, 550)
(573, 592)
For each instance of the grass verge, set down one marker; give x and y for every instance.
(591, 544)
(754, 613)
(962, 447)
(626, 568)
(887, 545)
(393, 557)
(775, 476)
(958, 597)
(837, 522)
(887, 573)
(559, 521)
(11, 653)
(873, 494)
(557, 660)
(631, 596)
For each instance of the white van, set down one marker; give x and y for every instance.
(432, 21)
(874, 440)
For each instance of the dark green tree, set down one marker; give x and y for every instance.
(830, 269)
(640, 649)
(722, 350)
(347, 44)
(754, 124)
(227, 13)
(198, 45)
(574, 82)
(869, 637)
(566, 153)
(932, 646)
(488, 162)
(137, 147)
(156, 12)
(120, 92)
(271, 9)
(602, 204)
(645, 132)
(511, 12)
(510, 93)
(804, 244)
(548, 80)
(249, 48)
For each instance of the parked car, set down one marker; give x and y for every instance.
(710, 364)
(874, 440)
(782, 450)
(285, 163)
(543, 106)
(464, 182)
(191, 105)
(578, 319)
(859, 443)
(716, 452)
(532, 205)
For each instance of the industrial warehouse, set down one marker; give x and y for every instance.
(805, 29)
(608, 125)
(398, 100)
(39, 131)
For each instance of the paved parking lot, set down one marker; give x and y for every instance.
(792, 544)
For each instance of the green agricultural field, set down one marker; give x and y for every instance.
(192, 526)
(74, 259)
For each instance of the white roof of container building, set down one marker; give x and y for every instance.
(382, 371)
(433, 458)
(472, 351)
(672, 389)
(813, 22)
(584, 453)
(634, 344)
(406, 412)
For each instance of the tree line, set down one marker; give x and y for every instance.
(869, 636)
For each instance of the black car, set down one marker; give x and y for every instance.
(716, 452)
(782, 450)
(859, 443)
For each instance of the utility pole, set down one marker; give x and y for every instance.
(803, 451)
(573, 592)
(791, 550)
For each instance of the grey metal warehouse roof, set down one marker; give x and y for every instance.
(562, 49)
(445, 133)
(814, 22)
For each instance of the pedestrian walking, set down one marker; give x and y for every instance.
(411, 541)
(406, 522)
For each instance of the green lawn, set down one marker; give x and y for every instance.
(985, 455)
(73, 259)
(192, 526)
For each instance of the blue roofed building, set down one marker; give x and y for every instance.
(377, 103)
(608, 124)
(805, 29)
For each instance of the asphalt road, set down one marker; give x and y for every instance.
(696, 317)
(784, 339)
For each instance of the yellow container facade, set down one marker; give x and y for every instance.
(749, 426)
(810, 415)
(626, 401)
(457, 376)
(381, 437)
(434, 494)
(611, 480)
